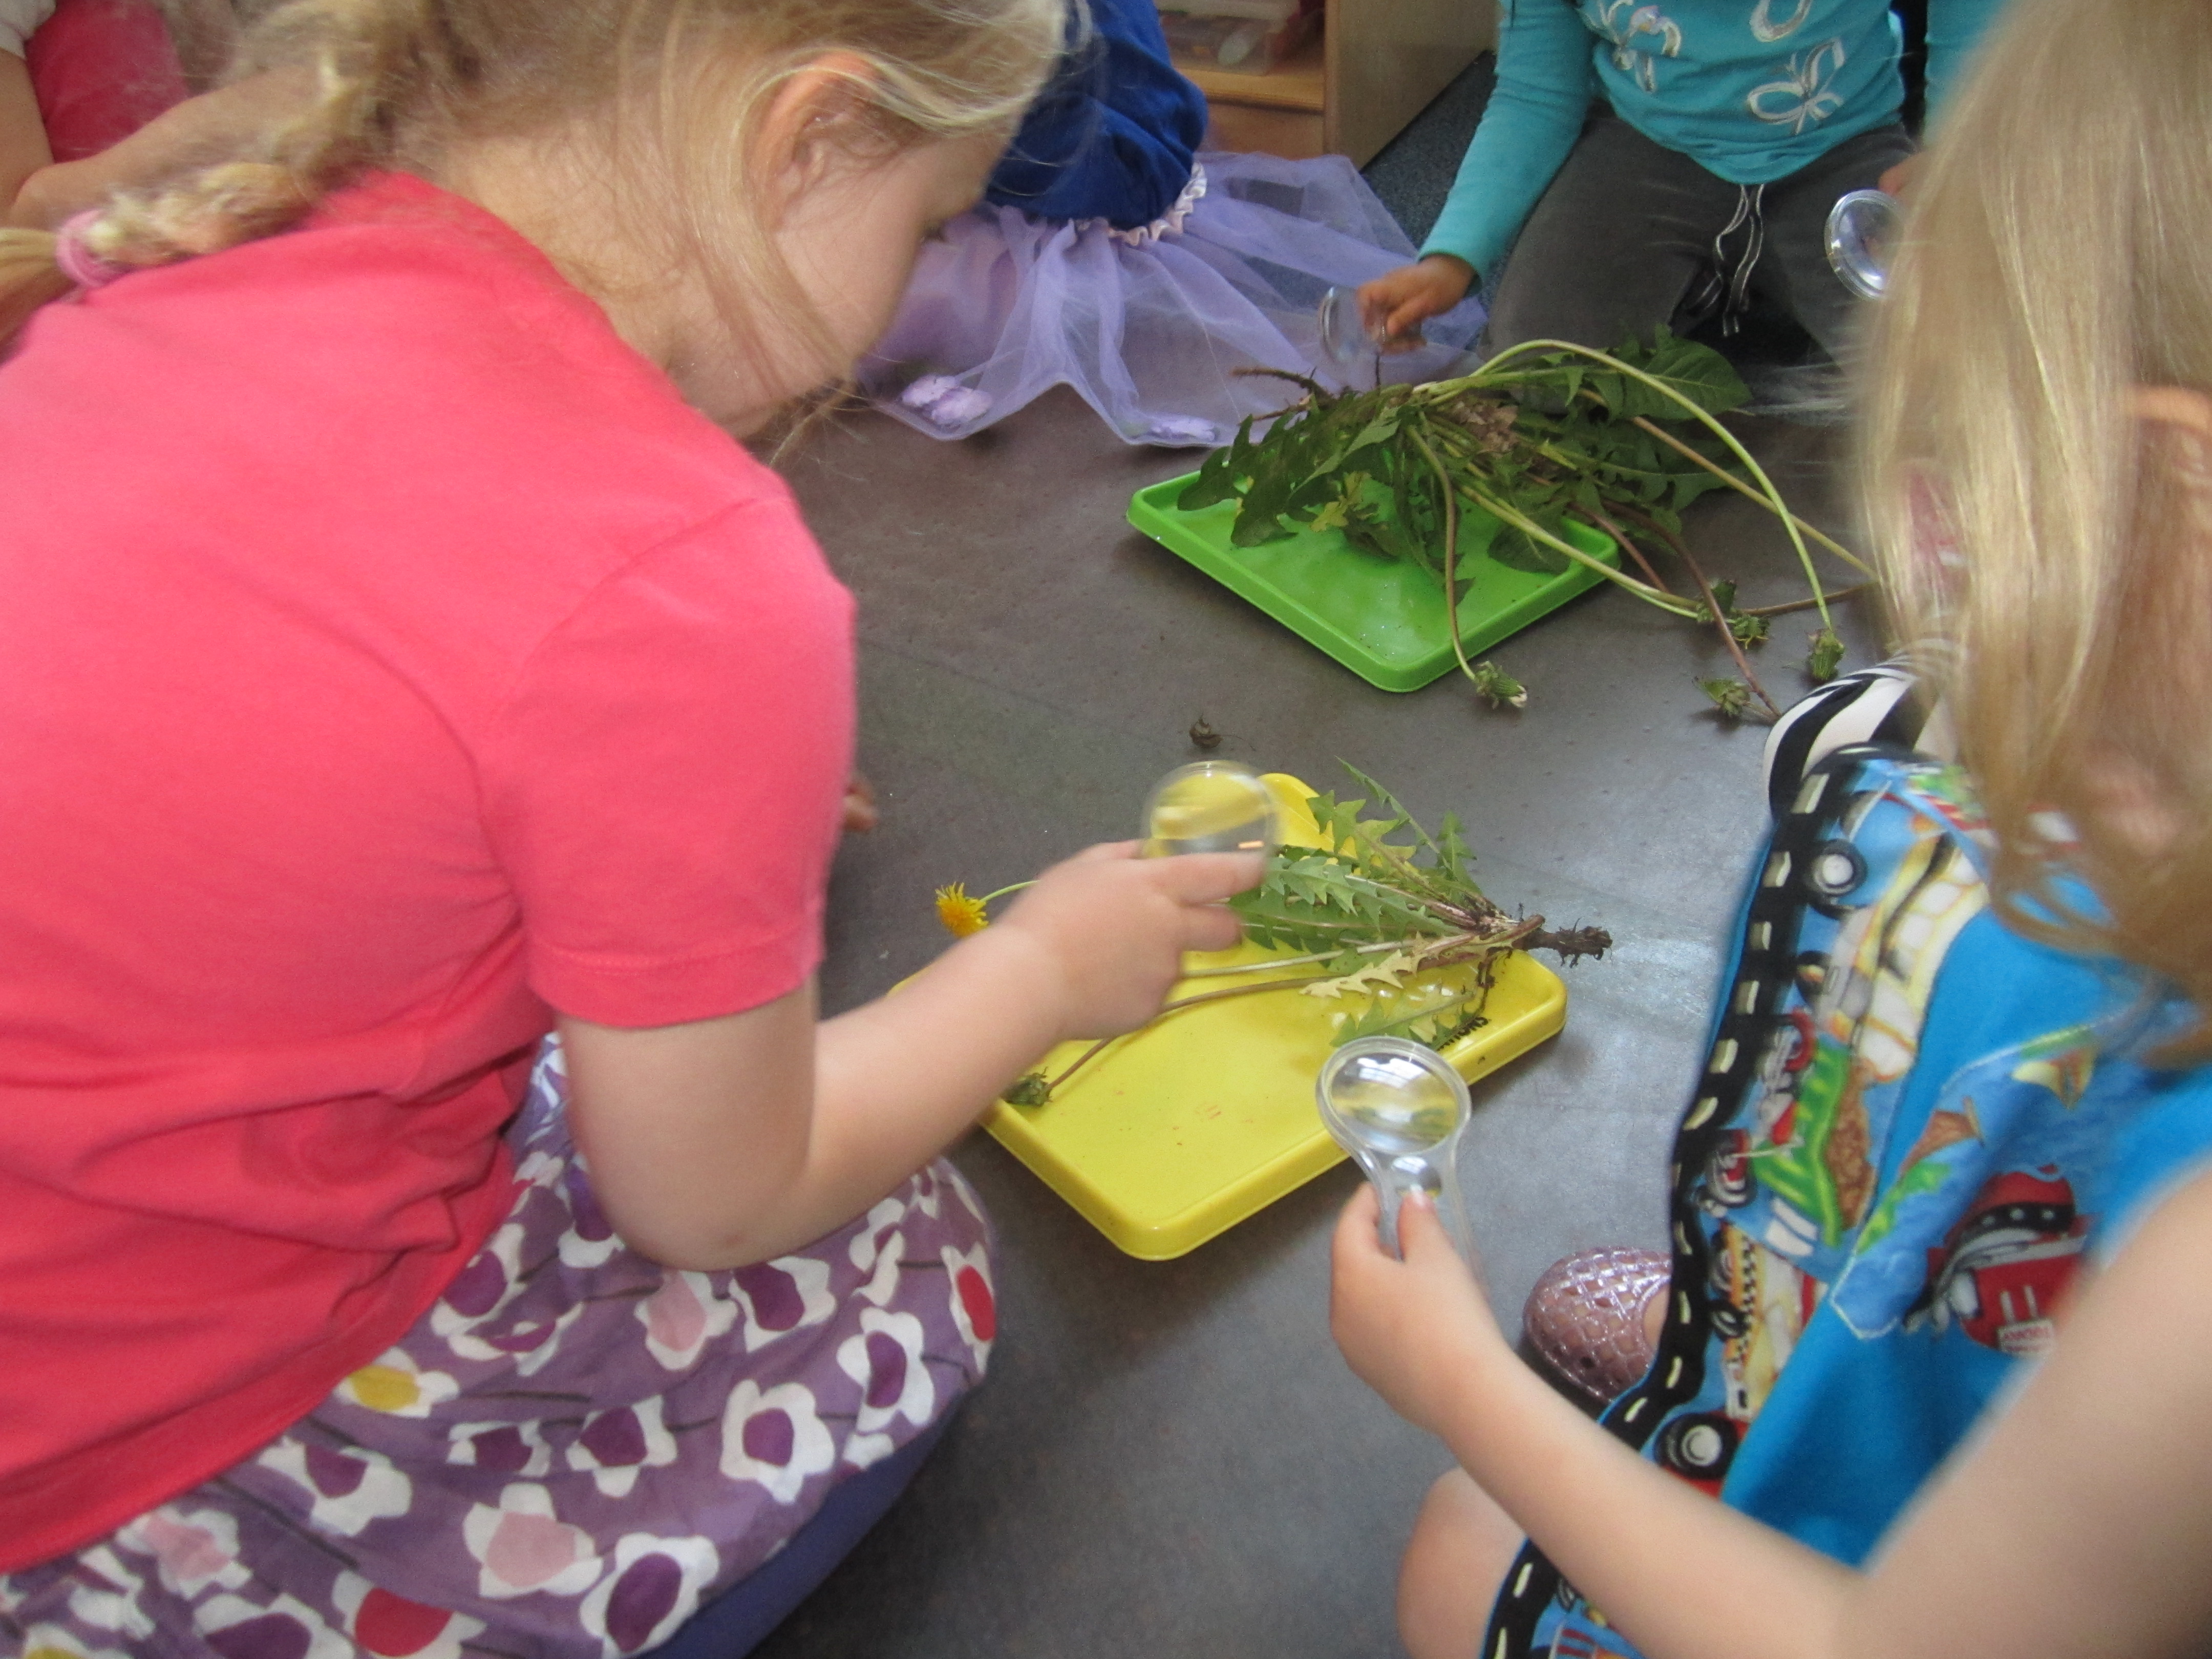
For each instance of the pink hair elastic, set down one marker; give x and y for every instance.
(79, 262)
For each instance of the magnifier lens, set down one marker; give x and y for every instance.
(1210, 807)
(1862, 228)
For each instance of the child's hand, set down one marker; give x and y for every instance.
(861, 812)
(1112, 928)
(1393, 307)
(1415, 1331)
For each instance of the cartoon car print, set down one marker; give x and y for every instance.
(2001, 1272)
(1872, 995)
(1759, 1305)
(1575, 1642)
(1699, 1448)
(1728, 1178)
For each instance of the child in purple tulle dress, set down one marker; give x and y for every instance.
(1112, 256)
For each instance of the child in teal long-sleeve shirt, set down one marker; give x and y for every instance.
(1657, 163)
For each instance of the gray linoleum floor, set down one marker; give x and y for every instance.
(1169, 1459)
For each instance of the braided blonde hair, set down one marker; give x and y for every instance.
(680, 87)
(2055, 259)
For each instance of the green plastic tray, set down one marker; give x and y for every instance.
(1381, 619)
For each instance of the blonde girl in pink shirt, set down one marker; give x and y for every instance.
(405, 662)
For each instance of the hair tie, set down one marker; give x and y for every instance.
(79, 262)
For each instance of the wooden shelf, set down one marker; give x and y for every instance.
(1376, 66)
(1300, 83)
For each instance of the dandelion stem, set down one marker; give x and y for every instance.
(1420, 943)
(1104, 1043)
(1766, 493)
(1742, 488)
(1628, 545)
(1083, 1060)
(1668, 602)
(1719, 616)
(1451, 547)
(1836, 598)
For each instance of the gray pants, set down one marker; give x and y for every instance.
(1630, 234)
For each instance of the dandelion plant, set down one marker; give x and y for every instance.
(1360, 917)
(1545, 433)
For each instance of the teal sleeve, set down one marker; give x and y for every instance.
(1545, 85)
(1954, 28)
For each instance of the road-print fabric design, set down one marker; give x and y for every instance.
(1881, 1191)
(564, 1458)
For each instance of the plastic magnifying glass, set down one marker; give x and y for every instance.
(1210, 806)
(1861, 227)
(1398, 1108)
(1345, 340)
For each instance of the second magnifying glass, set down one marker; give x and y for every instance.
(1398, 1108)
(1345, 340)
(1210, 807)
(1862, 228)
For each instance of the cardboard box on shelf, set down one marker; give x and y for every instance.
(1247, 36)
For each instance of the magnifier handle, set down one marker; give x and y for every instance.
(1386, 1218)
(1443, 1188)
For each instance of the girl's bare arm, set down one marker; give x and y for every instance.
(24, 148)
(732, 1141)
(211, 127)
(2076, 1525)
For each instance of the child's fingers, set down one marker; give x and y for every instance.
(1377, 299)
(1362, 1281)
(1426, 1247)
(1210, 927)
(1404, 332)
(860, 809)
(1356, 1241)
(1433, 1259)
(1207, 878)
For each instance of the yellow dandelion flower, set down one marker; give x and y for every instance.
(961, 914)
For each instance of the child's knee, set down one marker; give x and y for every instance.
(1461, 1546)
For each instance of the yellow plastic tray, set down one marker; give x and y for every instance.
(1183, 1130)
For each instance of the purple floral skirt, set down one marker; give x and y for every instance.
(567, 1456)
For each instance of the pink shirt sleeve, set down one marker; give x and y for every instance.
(663, 785)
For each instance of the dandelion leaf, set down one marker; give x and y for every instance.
(1695, 372)
(1513, 547)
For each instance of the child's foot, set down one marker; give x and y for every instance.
(1594, 1320)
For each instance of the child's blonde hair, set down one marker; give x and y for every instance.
(680, 87)
(2059, 254)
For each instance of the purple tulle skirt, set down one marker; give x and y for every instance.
(1150, 327)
